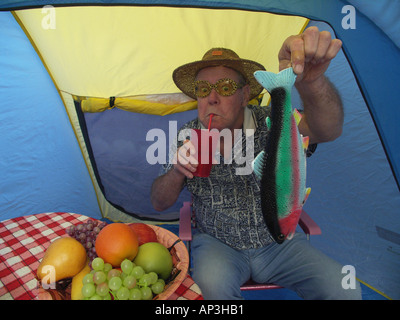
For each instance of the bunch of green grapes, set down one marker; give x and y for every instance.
(130, 283)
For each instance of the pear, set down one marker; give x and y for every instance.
(77, 284)
(64, 258)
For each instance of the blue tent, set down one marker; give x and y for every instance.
(56, 158)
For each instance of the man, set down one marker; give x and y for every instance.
(233, 244)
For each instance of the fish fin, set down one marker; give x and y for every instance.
(290, 236)
(297, 116)
(268, 123)
(306, 141)
(308, 191)
(270, 80)
(258, 164)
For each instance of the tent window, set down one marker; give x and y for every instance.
(117, 147)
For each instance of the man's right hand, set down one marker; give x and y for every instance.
(184, 161)
(165, 189)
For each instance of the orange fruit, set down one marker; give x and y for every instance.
(116, 242)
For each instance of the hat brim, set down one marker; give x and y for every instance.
(184, 76)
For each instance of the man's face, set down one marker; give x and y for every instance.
(227, 111)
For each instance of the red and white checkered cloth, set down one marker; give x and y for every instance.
(23, 242)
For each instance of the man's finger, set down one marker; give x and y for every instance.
(333, 49)
(323, 45)
(311, 39)
(184, 158)
(185, 154)
(185, 172)
(297, 55)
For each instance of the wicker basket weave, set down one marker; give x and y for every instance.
(180, 259)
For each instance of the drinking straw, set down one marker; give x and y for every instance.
(209, 123)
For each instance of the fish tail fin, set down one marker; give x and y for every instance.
(258, 164)
(270, 80)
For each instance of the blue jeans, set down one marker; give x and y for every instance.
(220, 270)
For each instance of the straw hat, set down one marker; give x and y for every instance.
(184, 76)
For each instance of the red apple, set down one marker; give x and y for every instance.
(144, 233)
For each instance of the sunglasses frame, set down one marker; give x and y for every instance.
(211, 86)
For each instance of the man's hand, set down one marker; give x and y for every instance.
(184, 161)
(166, 188)
(309, 53)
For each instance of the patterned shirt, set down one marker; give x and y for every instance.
(227, 204)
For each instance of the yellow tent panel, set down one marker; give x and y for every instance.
(129, 51)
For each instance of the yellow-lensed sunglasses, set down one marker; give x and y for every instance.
(224, 87)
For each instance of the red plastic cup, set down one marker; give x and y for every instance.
(205, 144)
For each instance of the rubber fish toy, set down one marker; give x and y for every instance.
(281, 166)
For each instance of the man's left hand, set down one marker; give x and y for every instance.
(309, 53)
